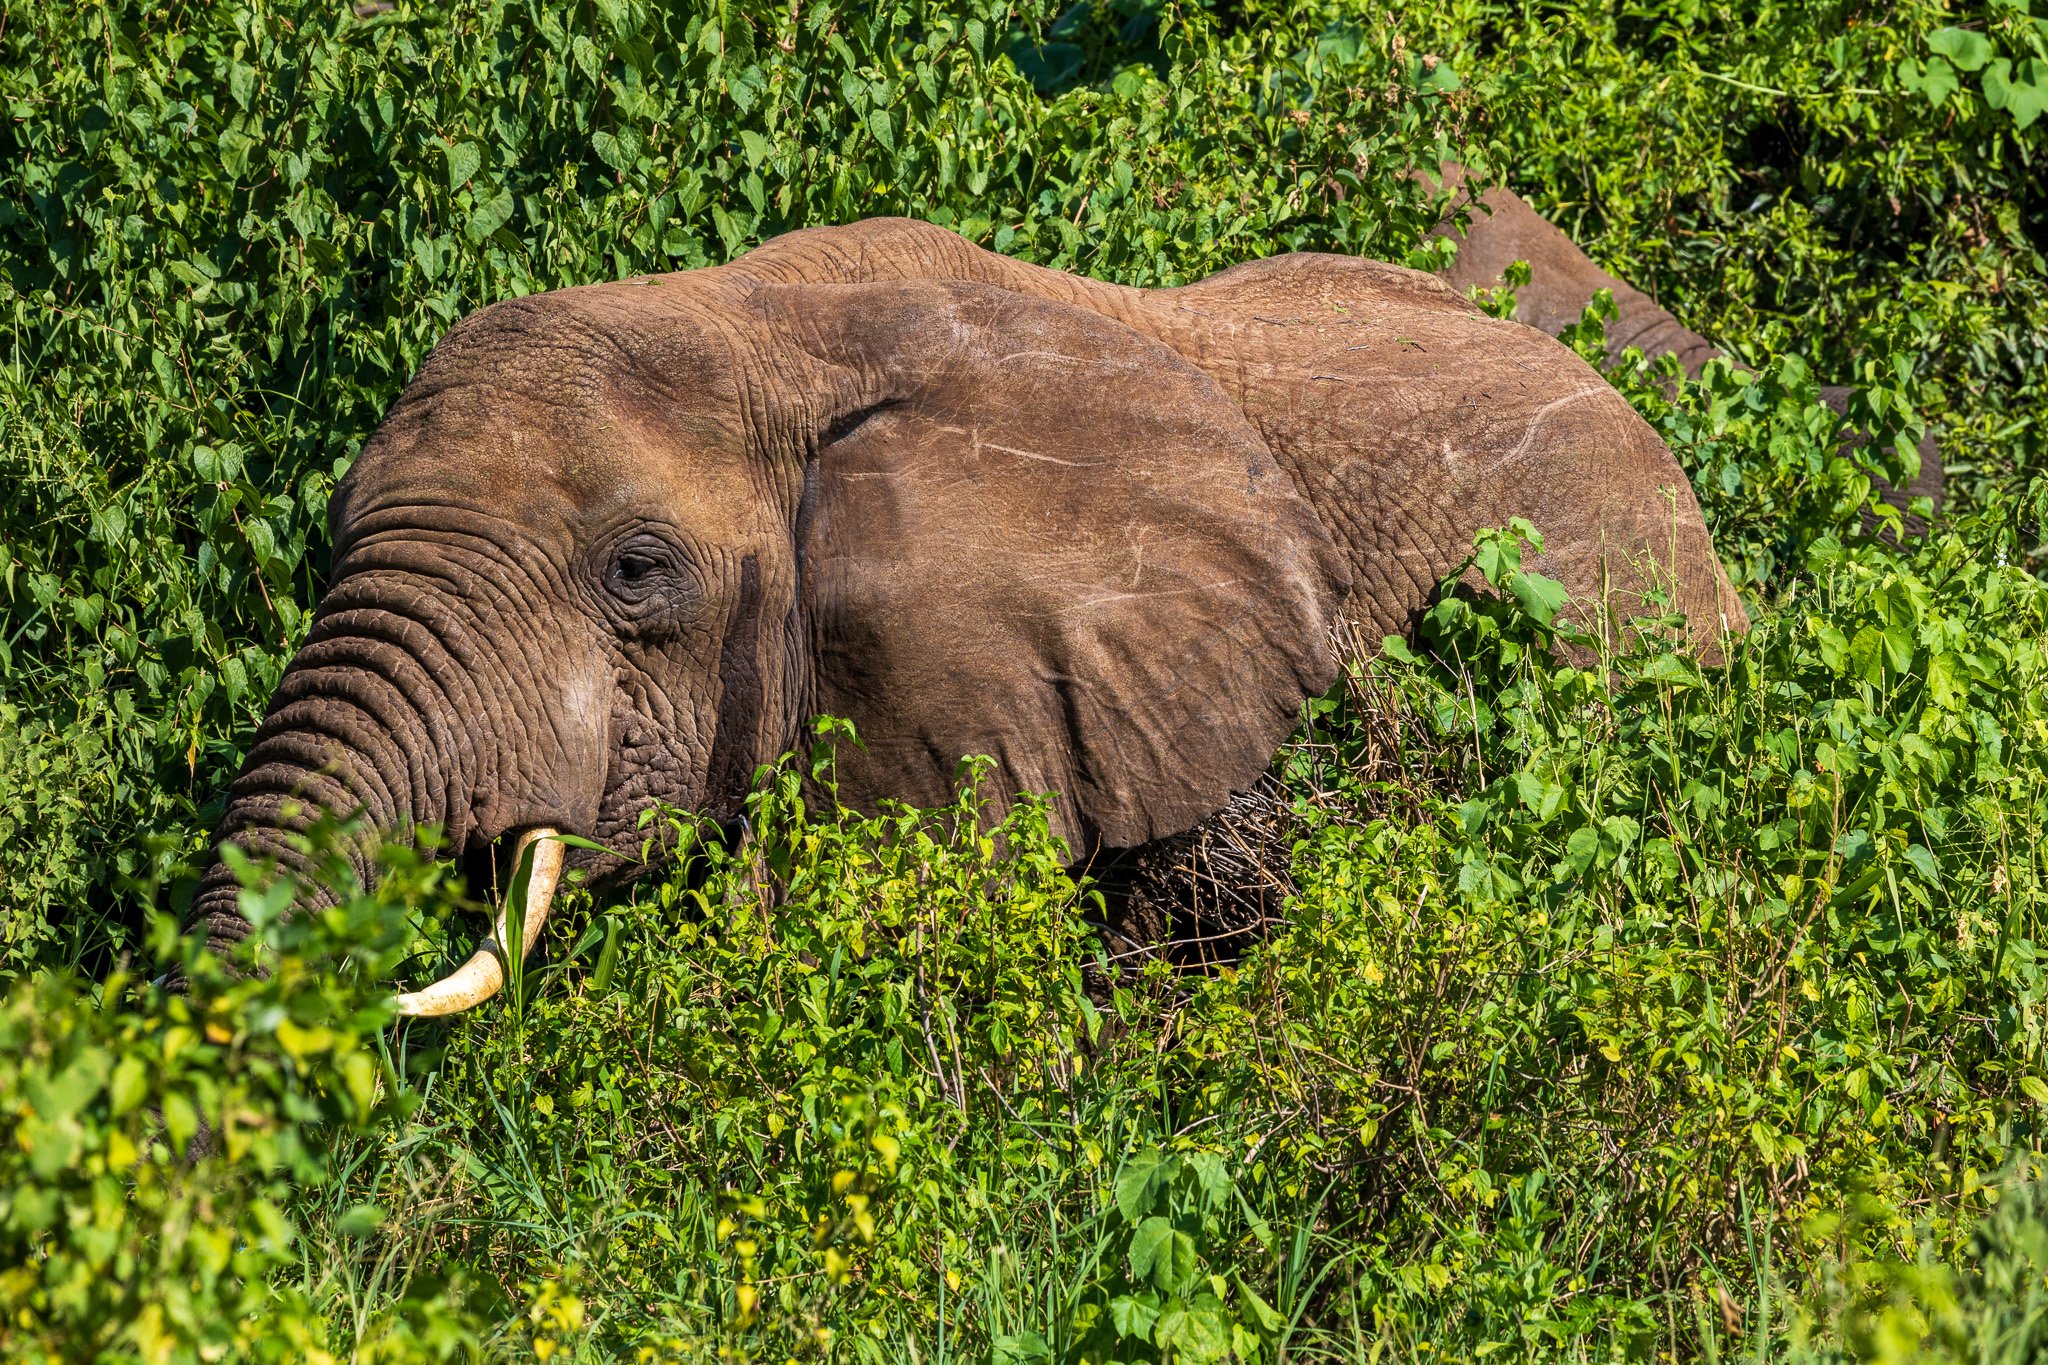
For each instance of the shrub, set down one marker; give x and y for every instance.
(1786, 179)
(156, 1146)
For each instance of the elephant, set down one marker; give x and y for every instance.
(1501, 229)
(614, 545)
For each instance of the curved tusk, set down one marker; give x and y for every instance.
(478, 979)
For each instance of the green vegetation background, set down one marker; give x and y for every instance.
(1629, 1012)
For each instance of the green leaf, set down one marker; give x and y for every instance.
(584, 53)
(463, 160)
(487, 215)
(2020, 91)
(130, 1083)
(1145, 1173)
(2036, 1088)
(1673, 670)
(1968, 49)
(610, 150)
(1435, 76)
(1934, 82)
(1150, 1242)
(1163, 1254)
(1194, 1334)
(884, 131)
(63, 1095)
(1619, 832)
(1269, 1320)
(359, 1220)
(1133, 1315)
(1542, 598)
(181, 1121)
(1582, 849)
(1924, 863)
(1944, 686)
(1498, 557)
(1131, 82)
(735, 33)
(1212, 1177)
(1022, 1348)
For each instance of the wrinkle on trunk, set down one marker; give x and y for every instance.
(336, 746)
(263, 821)
(423, 695)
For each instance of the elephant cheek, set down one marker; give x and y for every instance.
(551, 742)
(652, 766)
(583, 744)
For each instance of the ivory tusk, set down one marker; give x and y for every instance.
(480, 978)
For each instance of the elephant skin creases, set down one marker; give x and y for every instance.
(1271, 332)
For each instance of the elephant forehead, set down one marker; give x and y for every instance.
(586, 400)
(566, 464)
(592, 366)
(638, 336)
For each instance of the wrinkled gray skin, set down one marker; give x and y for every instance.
(615, 545)
(1501, 229)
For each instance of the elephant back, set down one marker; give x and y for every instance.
(1409, 418)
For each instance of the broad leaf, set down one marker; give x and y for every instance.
(1968, 49)
(1144, 1174)
(463, 160)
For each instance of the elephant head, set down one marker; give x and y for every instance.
(614, 545)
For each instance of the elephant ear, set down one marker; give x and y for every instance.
(1029, 532)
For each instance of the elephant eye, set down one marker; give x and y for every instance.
(647, 571)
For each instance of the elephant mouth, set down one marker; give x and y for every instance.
(536, 870)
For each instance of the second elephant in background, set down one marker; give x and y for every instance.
(1502, 229)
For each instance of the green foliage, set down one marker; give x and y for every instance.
(1783, 178)
(2014, 69)
(1188, 1305)
(154, 1145)
(845, 1082)
(1769, 459)
(1625, 1005)
(1988, 1309)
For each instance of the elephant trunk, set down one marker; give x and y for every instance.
(318, 757)
(410, 707)
(362, 733)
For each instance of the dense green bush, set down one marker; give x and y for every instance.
(155, 1147)
(1624, 1006)
(1788, 177)
(1990, 1310)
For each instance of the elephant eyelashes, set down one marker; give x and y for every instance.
(648, 575)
